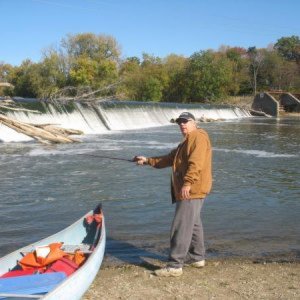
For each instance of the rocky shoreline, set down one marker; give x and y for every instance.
(231, 278)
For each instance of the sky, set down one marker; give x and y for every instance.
(155, 27)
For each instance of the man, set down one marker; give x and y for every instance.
(191, 182)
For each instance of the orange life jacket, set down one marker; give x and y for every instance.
(78, 257)
(31, 260)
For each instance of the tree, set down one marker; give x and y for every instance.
(277, 73)
(130, 65)
(150, 90)
(39, 80)
(154, 79)
(129, 72)
(289, 48)
(27, 80)
(207, 76)
(5, 76)
(149, 59)
(240, 78)
(143, 81)
(92, 59)
(174, 66)
(96, 47)
(256, 57)
(83, 71)
(53, 73)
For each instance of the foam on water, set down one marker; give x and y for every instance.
(10, 135)
(257, 153)
(102, 117)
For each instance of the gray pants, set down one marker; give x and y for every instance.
(186, 242)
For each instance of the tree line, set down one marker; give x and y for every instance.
(94, 62)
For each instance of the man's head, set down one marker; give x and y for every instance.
(186, 122)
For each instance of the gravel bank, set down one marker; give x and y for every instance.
(220, 279)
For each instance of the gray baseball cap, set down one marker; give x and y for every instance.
(185, 116)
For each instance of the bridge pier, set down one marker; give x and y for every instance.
(266, 103)
(289, 102)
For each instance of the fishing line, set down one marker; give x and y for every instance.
(110, 157)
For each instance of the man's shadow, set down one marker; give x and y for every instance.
(121, 252)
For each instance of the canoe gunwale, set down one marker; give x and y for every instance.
(98, 253)
(78, 282)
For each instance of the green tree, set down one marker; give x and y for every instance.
(6, 71)
(83, 71)
(150, 90)
(155, 77)
(27, 80)
(92, 59)
(289, 48)
(149, 60)
(278, 73)
(129, 74)
(39, 80)
(145, 80)
(239, 65)
(207, 76)
(96, 47)
(129, 66)
(53, 73)
(174, 66)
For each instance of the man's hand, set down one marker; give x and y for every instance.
(140, 160)
(185, 192)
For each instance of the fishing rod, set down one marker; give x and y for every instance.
(110, 157)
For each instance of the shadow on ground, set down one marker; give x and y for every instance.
(119, 253)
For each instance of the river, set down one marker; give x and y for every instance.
(253, 210)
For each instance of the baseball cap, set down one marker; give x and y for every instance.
(185, 116)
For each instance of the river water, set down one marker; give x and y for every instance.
(253, 210)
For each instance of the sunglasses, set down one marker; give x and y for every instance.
(183, 121)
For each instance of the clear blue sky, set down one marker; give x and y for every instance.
(157, 27)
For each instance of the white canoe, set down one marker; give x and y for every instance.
(76, 284)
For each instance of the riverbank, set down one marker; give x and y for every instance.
(244, 102)
(220, 279)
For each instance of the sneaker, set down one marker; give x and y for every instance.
(197, 264)
(168, 272)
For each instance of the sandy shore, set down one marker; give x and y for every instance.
(220, 279)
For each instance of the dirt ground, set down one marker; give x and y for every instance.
(220, 279)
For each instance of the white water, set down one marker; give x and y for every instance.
(257, 153)
(117, 117)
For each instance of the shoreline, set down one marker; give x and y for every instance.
(226, 278)
(111, 259)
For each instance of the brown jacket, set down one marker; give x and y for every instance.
(191, 165)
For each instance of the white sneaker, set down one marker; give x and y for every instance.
(198, 264)
(168, 272)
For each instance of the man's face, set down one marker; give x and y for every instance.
(186, 126)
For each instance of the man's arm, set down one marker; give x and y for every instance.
(158, 161)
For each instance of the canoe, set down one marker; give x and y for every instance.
(90, 239)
